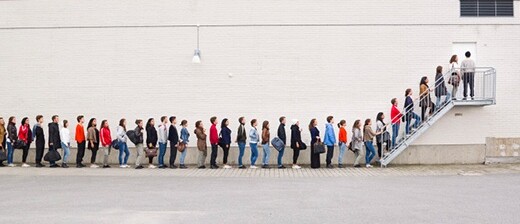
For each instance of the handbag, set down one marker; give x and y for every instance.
(181, 147)
(3, 156)
(115, 144)
(319, 147)
(303, 146)
(19, 144)
(151, 152)
(52, 156)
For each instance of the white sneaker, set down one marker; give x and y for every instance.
(122, 166)
(296, 167)
(94, 166)
(11, 165)
(253, 167)
(127, 166)
(26, 165)
(151, 166)
(227, 167)
(369, 166)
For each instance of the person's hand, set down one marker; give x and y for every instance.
(227, 146)
(51, 143)
(297, 145)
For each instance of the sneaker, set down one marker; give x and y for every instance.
(340, 165)
(127, 166)
(296, 167)
(106, 166)
(173, 167)
(330, 166)
(227, 166)
(241, 167)
(25, 165)
(281, 167)
(369, 166)
(39, 165)
(253, 167)
(151, 166)
(357, 166)
(139, 167)
(182, 166)
(94, 166)
(54, 166)
(11, 165)
(162, 167)
(202, 167)
(213, 167)
(265, 166)
(64, 165)
(122, 166)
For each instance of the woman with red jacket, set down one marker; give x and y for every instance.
(105, 139)
(25, 134)
(342, 139)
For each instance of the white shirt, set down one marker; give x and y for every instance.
(65, 135)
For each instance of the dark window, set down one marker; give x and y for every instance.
(486, 8)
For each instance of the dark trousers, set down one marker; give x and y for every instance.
(296, 154)
(214, 152)
(330, 154)
(315, 158)
(380, 147)
(226, 154)
(469, 79)
(39, 153)
(94, 154)
(173, 153)
(81, 152)
(25, 153)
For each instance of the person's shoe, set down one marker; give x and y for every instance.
(173, 167)
(182, 166)
(253, 167)
(296, 166)
(464, 98)
(330, 166)
(472, 98)
(202, 167)
(369, 166)
(265, 166)
(151, 166)
(11, 165)
(2, 165)
(54, 166)
(64, 165)
(106, 166)
(25, 165)
(281, 167)
(40, 165)
(139, 167)
(357, 166)
(122, 166)
(213, 167)
(227, 166)
(162, 166)
(80, 165)
(94, 166)
(340, 166)
(241, 167)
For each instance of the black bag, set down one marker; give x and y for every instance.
(132, 136)
(303, 146)
(19, 144)
(221, 142)
(277, 144)
(115, 144)
(3, 156)
(319, 148)
(52, 156)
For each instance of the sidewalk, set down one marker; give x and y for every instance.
(416, 170)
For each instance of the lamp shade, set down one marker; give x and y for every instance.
(196, 57)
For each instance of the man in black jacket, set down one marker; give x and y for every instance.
(283, 137)
(40, 140)
(54, 137)
(173, 136)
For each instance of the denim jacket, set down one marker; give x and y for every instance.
(185, 135)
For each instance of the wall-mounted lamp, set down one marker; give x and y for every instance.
(196, 55)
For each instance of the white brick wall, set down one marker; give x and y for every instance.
(302, 72)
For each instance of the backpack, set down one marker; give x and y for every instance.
(277, 143)
(115, 144)
(132, 136)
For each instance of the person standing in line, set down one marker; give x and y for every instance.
(265, 144)
(185, 139)
(241, 141)
(455, 75)
(225, 133)
(106, 139)
(357, 142)
(65, 143)
(80, 139)
(54, 138)
(368, 137)
(163, 141)
(254, 138)
(342, 141)
(139, 135)
(315, 137)
(11, 139)
(123, 147)
(25, 135)
(283, 136)
(296, 142)
(440, 88)
(2, 139)
(409, 111)
(40, 140)
(468, 76)
(202, 146)
(93, 141)
(173, 136)
(382, 139)
(330, 140)
(425, 101)
(151, 139)
(396, 116)
(213, 140)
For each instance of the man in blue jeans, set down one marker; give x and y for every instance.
(241, 140)
(282, 135)
(408, 110)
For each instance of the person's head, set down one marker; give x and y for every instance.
(80, 119)
(357, 124)
(224, 123)
(55, 119)
(368, 122)
(213, 120)
(424, 80)
(164, 119)
(139, 122)
(282, 120)
(295, 122)
(408, 92)
(380, 116)
(25, 121)
(330, 119)
(173, 120)
(313, 123)
(468, 54)
(122, 123)
(254, 123)
(12, 120)
(242, 120)
(184, 123)
(198, 124)
(2, 122)
(150, 122)
(454, 58)
(39, 119)
(265, 125)
(92, 122)
(439, 69)
(394, 101)
(65, 123)
(104, 124)
(342, 123)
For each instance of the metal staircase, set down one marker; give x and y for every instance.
(485, 94)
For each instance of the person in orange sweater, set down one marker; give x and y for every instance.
(80, 139)
(342, 141)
